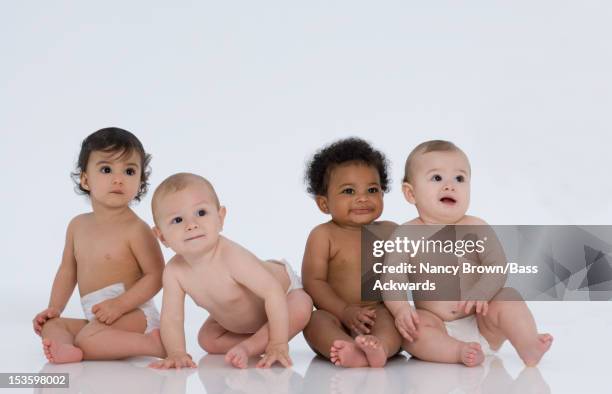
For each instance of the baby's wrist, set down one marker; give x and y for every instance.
(178, 353)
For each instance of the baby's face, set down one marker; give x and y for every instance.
(112, 179)
(189, 221)
(440, 186)
(354, 195)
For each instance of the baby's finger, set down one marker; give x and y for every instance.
(408, 324)
(268, 361)
(366, 319)
(285, 361)
(478, 308)
(370, 312)
(485, 308)
(406, 335)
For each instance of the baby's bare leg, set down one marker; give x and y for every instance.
(513, 320)
(58, 340)
(434, 344)
(300, 308)
(124, 338)
(327, 337)
(384, 341)
(215, 339)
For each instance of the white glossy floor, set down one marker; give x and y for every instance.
(580, 361)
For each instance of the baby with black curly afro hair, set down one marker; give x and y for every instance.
(347, 180)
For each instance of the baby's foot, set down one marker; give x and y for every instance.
(347, 354)
(157, 347)
(533, 354)
(471, 354)
(59, 353)
(238, 356)
(373, 349)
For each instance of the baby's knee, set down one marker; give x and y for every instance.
(209, 344)
(319, 320)
(507, 294)
(301, 307)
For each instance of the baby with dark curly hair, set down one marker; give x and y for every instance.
(112, 255)
(347, 180)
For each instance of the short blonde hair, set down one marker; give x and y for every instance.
(175, 183)
(426, 147)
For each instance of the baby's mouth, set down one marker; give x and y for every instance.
(448, 201)
(195, 237)
(362, 211)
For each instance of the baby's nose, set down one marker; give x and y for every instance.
(191, 226)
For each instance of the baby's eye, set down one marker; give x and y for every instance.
(177, 220)
(460, 178)
(436, 178)
(130, 171)
(201, 212)
(348, 190)
(105, 170)
(373, 190)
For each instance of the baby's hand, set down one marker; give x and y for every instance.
(275, 352)
(359, 319)
(482, 307)
(108, 311)
(39, 320)
(407, 321)
(177, 360)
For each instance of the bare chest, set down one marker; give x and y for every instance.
(103, 258)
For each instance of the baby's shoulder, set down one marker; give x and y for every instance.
(79, 221)
(175, 265)
(231, 252)
(322, 233)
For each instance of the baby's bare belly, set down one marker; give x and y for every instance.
(238, 309)
(445, 310)
(92, 280)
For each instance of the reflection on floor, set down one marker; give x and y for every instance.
(401, 375)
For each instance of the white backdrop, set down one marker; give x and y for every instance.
(244, 92)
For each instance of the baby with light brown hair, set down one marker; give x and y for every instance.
(437, 181)
(254, 306)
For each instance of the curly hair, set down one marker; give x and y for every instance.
(112, 139)
(343, 151)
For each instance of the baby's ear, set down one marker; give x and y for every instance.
(322, 204)
(222, 213)
(408, 191)
(158, 234)
(83, 181)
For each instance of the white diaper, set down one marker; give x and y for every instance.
(113, 291)
(296, 282)
(466, 330)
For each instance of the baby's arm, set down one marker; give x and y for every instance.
(247, 270)
(491, 283)
(314, 277)
(64, 283)
(148, 254)
(172, 322)
(406, 317)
